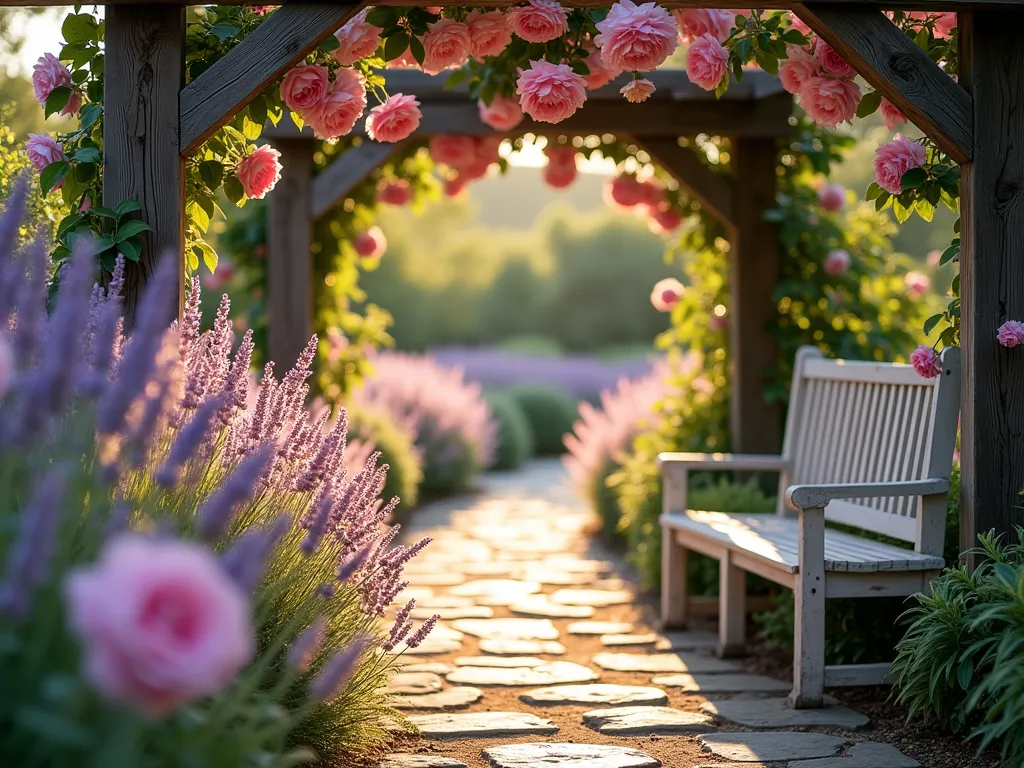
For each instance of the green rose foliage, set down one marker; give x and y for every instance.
(515, 436)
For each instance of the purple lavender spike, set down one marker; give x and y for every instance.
(31, 305)
(102, 352)
(118, 522)
(400, 629)
(189, 438)
(421, 634)
(217, 511)
(28, 561)
(307, 646)
(318, 523)
(247, 560)
(337, 671)
(12, 217)
(348, 568)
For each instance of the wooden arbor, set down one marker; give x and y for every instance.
(753, 114)
(152, 122)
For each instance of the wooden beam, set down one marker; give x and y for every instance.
(714, 191)
(992, 275)
(755, 425)
(893, 64)
(335, 181)
(279, 43)
(145, 62)
(289, 259)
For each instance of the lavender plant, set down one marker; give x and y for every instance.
(124, 460)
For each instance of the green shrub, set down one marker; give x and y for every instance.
(405, 474)
(551, 413)
(515, 437)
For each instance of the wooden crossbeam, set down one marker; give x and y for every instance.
(280, 42)
(335, 181)
(714, 191)
(902, 72)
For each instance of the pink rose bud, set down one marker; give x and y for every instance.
(925, 362)
(160, 623)
(394, 120)
(694, 22)
(371, 243)
(624, 191)
(503, 114)
(6, 364)
(43, 150)
(357, 40)
(549, 93)
(917, 284)
(48, 73)
(707, 62)
(798, 68)
(259, 172)
(637, 38)
(837, 262)
(337, 113)
(666, 294)
(600, 73)
(489, 33)
(303, 88)
(893, 117)
(446, 45)
(830, 102)
(539, 21)
(831, 62)
(456, 150)
(637, 91)
(894, 159)
(1011, 333)
(395, 192)
(832, 196)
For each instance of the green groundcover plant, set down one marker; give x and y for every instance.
(188, 574)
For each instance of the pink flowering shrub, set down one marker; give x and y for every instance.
(395, 119)
(666, 294)
(1011, 333)
(47, 74)
(549, 93)
(637, 38)
(259, 172)
(925, 362)
(489, 33)
(356, 40)
(370, 243)
(894, 159)
(706, 62)
(446, 45)
(637, 91)
(502, 114)
(539, 21)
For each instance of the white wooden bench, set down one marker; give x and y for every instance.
(867, 445)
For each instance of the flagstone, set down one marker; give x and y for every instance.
(458, 697)
(865, 754)
(723, 683)
(599, 628)
(547, 674)
(533, 755)
(766, 746)
(508, 629)
(596, 598)
(647, 721)
(776, 713)
(498, 661)
(420, 761)
(541, 605)
(413, 683)
(481, 725)
(595, 693)
(663, 662)
(448, 614)
(502, 647)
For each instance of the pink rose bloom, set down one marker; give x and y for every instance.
(477, 169)
(405, 61)
(370, 243)
(446, 46)
(357, 40)
(337, 113)
(394, 192)
(503, 114)
(653, 194)
(666, 294)
(261, 10)
(1010, 334)
(637, 38)
(560, 155)
(796, 70)
(559, 177)
(797, 23)
(837, 262)
(395, 119)
(891, 115)
(487, 148)
(259, 172)
(706, 62)
(831, 197)
(664, 220)
(624, 191)
(549, 93)
(6, 364)
(455, 150)
(540, 21)
(944, 24)
(600, 73)
(830, 102)
(489, 33)
(303, 88)
(43, 150)
(894, 159)
(48, 73)
(694, 22)
(925, 362)
(933, 258)
(637, 91)
(160, 622)
(455, 186)
(917, 284)
(831, 62)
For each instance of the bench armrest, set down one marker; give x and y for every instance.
(802, 497)
(724, 461)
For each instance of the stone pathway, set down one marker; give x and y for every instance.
(546, 658)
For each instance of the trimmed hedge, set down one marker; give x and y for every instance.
(551, 413)
(376, 428)
(515, 436)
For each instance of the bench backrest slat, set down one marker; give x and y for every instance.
(864, 422)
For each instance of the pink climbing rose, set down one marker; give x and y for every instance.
(653, 193)
(394, 192)
(456, 150)
(917, 284)
(503, 113)
(455, 186)
(549, 93)
(489, 33)
(357, 40)
(624, 191)
(48, 73)
(837, 262)
(600, 73)
(925, 362)
(664, 219)
(160, 621)
(370, 243)
(1011, 333)
(706, 62)
(831, 62)
(894, 159)
(637, 38)
(891, 115)
(42, 150)
(338, 111)
(559, 177)
(446, 45)
(260, 172)
(395, 119)
(831, 196)
(798, 68)
(666, 294)
(303, 88)
(637, 91)
(830, 102)
(539, 21)
(694, 22)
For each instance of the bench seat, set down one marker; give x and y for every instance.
(774, 539)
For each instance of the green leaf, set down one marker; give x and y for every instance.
(79, 27)
(233, 190)
(197, 215)
(395, 46)
(87, 155)
(223, 31)
(258, 110)
(131, 249)
(251, 130)
(913, 179)
(212, 173)
(869, 104)
(873, 191)
(383, 16)
(104, 243)
(57, 100)
(925, 209)
(331, 43)
(580, 67)
(90, 114)
(130, 229)
(794, 37)
(103, 212)
(416, 47)
(953, 252)
(128, 206)
(723, 86)
(931, 322)
(902, 213)
(52, 175)
(96, 65)
(455, 78)
(767, 62)
(209, 255)
(191, 260)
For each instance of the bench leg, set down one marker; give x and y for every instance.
(809, 599)
(732, 612)
(673, 581)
